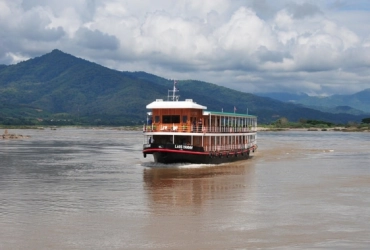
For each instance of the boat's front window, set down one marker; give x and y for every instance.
(171, 119)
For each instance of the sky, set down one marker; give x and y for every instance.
(316, 47)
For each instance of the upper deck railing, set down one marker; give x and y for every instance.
(198, 129)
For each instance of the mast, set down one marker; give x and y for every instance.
(172, 93)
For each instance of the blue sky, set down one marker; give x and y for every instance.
(315, 47)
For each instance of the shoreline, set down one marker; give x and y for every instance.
(335, 129)
(7, 136)
(139, 128)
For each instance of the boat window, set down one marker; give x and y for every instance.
(184, 119)
(157, 119)
(171, 119)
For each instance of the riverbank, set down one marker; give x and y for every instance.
(7, 136)
(342, 129)
(139, 128)
(127, 128)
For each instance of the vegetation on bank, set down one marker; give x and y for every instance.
(32, 123)
(284, 123)
(279, 125)
(42, 127)
(64, 119)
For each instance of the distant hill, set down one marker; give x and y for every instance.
(60, 87)
(357, 104)
(284, 96)
(359, 101)
(339, 110)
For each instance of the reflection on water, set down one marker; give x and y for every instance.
(195, 184)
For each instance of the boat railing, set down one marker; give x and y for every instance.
(197, 128)
(230, 147)
(227, 129)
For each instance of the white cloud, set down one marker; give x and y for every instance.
(254, 46)
(34, 26)
(245, 32)
(95, 39)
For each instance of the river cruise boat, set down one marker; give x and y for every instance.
(185, 132)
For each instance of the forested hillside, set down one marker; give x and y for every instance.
(357, 103)
(58, 88)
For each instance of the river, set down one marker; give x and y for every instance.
(76, 188)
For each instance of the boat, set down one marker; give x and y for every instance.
(185, 132)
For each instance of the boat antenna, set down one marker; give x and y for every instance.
(172, 93)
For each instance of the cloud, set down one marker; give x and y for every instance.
(95, 39)
(245, 31)
(249, 45)
(266, 55)
(34, 26)
(300, 11)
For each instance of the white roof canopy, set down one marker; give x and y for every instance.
(187, 104)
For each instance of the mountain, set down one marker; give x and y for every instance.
(268, 110)
(59, 86)
(61, 83)
(284, 96)
(357, 104)
(359, 100)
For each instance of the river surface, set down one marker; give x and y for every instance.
(92, 189)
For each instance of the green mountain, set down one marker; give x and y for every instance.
(339, 110)
(284, 96)
(357, 104)
(61, 83)
(359, 101)
(58, 87)
(267, 109)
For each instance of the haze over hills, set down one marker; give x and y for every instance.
(60, 86)
(357, 103)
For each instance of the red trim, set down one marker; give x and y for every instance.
(174, 151)
(153, 150)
